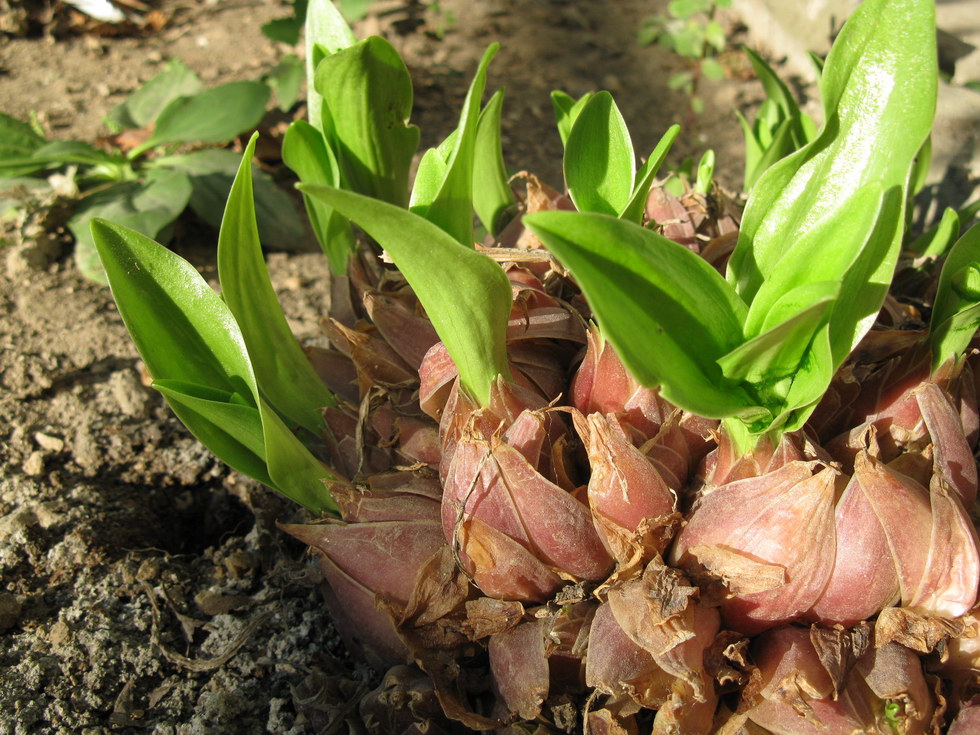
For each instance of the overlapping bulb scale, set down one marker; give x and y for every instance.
(580, 555)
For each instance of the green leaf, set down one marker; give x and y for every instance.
(711, 69)
(284, 30)
(144, 105)
(808, 260)
(706, 173)
(282, 370)
(714, 34)
(214, 116)
(469, 311)
(934, 242)
(452, 207)
(687, 8)
(238, 419)
(148, 206)
(817, 61)
(801, 128)
(212, 172)
(688, 41)
(353, 10)
(429, 177)
(920, 168)
(956, 312)
(373, 141)
(599, 163)
(192, 346)
(775, 89)
(567, 111)
(753, 152)
(492, 195)
(647, 173)
(680, 80)
(778, 148)
(18, 141)
(668, 313)
(776, 352)
(73, 151)
(879, 90)
(326, 33)
(304, 151)
(285, 79)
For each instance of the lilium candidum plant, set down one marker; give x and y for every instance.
(633, 463)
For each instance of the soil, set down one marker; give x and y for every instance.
(143, 586)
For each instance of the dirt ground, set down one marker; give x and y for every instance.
(143, 586)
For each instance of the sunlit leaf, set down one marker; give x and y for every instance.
(647, 173)
(373, 142)
(776, 352)
(934, 242)
(305, 152)
(567, 110)
(191, 344)
(668, 313)
(879, 90)
(452, 207)
(326, 33)
(492, 195)
(282, 370)
(599, 163)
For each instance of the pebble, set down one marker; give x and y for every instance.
(129, 392)
(49, 441)
(59, 633)
(34, 464)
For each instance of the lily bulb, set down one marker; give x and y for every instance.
(377, 558)
(518, 534)
(884, 691)
(631, 504)
(897, 540)
(765, 544)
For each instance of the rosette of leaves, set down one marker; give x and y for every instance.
(770, 533)
(141, 176)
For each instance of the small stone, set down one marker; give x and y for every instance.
(292, 283)
(10, 610)
(49, 441)
(34, 464)
(86, 450)
(132, 397)
(59, 633)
